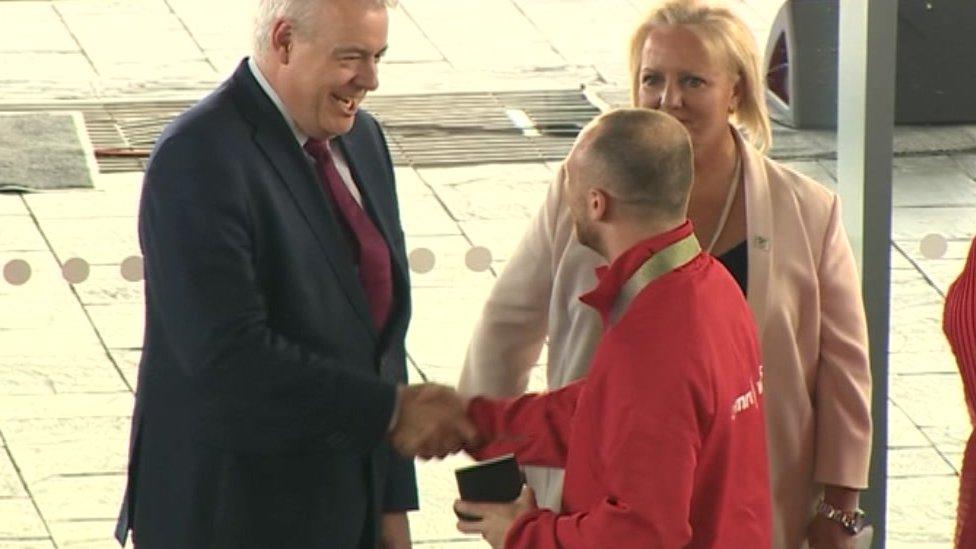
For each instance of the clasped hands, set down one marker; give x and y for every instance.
(433, 422)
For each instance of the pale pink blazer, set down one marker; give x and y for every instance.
(803, 290)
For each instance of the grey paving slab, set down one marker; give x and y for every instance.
(143, 26)
(967, 162)
(922, 509)
(55, 313)
(19, 234)
(408, 43)
(942, 272)
(442, 77)
(899, 261)
(503, 35)
(70, 499)
(409, 183)
(902, 432)
(955, 459)
(442, 324)
(68, 370)
(501, 237)
(21, 91)
(20, 520)
(115, 195)
(931, 181)
(162, 73)
(424, 215)
(506, 191)
(915, 223)
(12, 204)
(66, 406)
(11, 485)
(949, 437)
(789, 143)
(119, 324)
(930, 399)
(40, 70)
(47, 449)
(23, 342)
(33, 543)
(154, 88)
(916, 328)
(33, 26)
(931, 362)
(127, 361)
(932, 139)
(217, 25)
(106, 286)
(909, 289)
(84, 534)
(915, 462)
(606, 25)
(99, 241)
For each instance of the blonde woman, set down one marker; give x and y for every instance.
(780, 235)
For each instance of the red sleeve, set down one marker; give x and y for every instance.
(534, 427)
(648, 456)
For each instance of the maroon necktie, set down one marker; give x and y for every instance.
(371, 251)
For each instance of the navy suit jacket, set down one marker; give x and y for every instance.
(264, 390)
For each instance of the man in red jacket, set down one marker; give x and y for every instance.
(663, 443)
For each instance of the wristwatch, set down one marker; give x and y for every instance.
(851, 521)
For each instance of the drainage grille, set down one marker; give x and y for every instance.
(422, 130)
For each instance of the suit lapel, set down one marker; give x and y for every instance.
(273, 136)
(760, 243)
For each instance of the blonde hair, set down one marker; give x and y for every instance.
(727, 39)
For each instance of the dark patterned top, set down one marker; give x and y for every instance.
(736, 261)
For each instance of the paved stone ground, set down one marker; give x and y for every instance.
(68, 352)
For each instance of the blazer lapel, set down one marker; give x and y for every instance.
(275, 139)
(759, 214)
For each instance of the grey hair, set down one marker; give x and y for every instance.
(298, 12)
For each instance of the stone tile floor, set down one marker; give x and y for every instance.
(68, 352)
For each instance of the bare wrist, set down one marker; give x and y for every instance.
(841, 497)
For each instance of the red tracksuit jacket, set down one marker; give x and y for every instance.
(663, 443)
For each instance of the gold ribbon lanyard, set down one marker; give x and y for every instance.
(663, 262)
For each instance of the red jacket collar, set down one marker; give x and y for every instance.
(611, 278)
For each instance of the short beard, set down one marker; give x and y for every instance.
(587, 236)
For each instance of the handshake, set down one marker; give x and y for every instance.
(432, 422)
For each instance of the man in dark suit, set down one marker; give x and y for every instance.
(271, 391)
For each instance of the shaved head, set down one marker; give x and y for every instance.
(641, 157)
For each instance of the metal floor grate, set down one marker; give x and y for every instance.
(422, 130)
